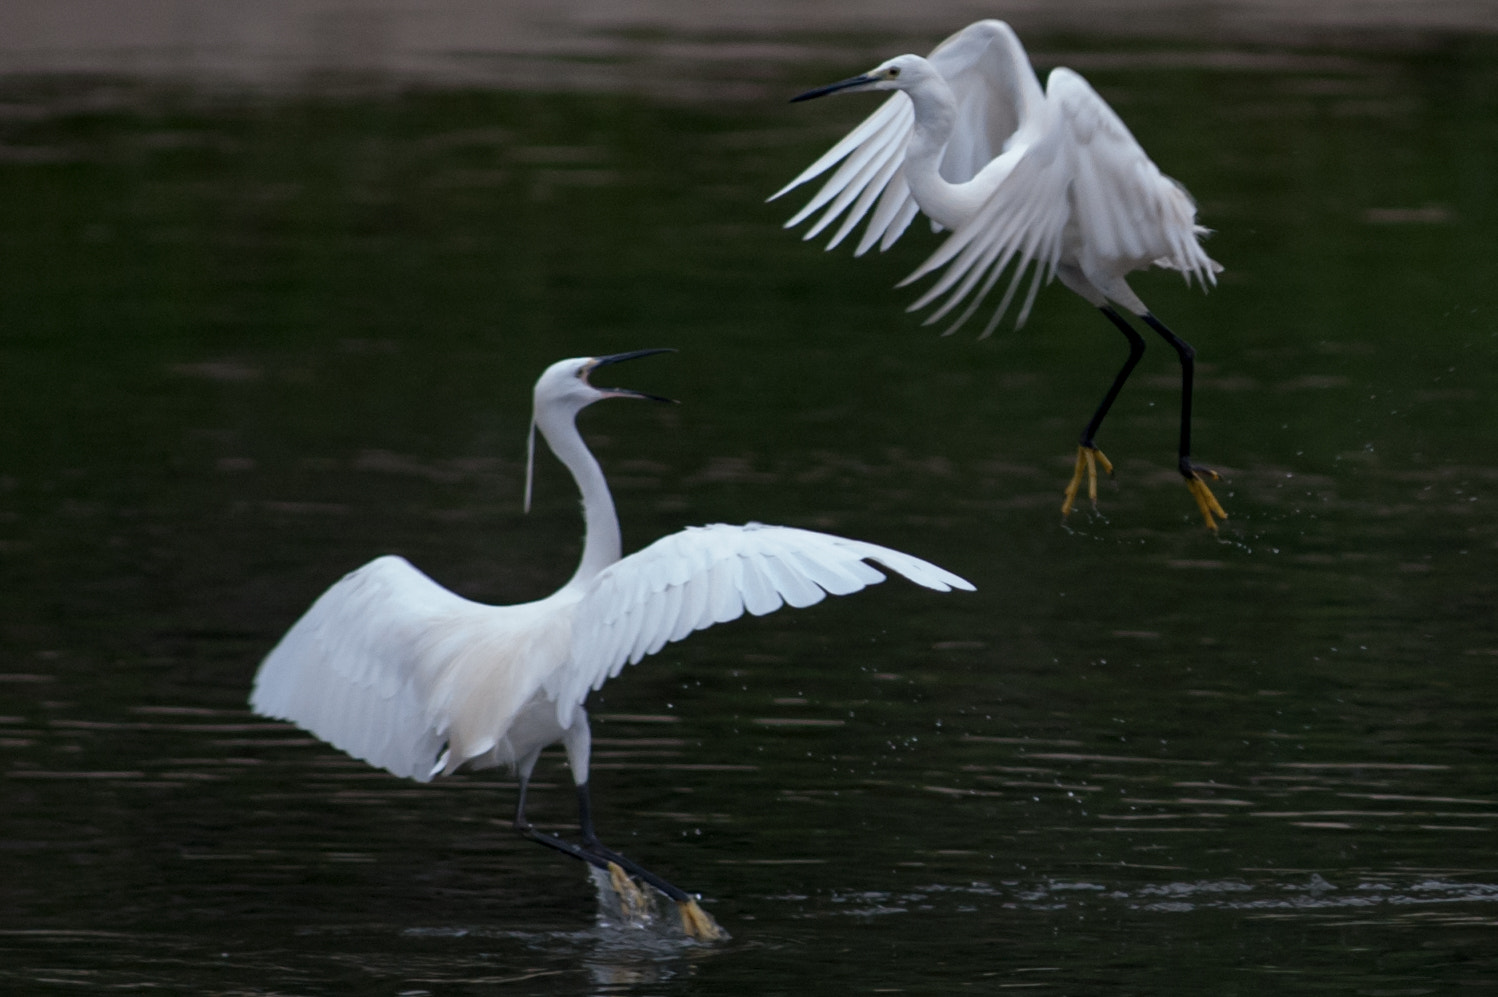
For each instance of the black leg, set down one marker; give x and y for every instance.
(1187, 353)
(594, 847)
(695, 922)
(527, 830)
(1194, 474)
(1136, 351)
(1088, 455)
(591, 851)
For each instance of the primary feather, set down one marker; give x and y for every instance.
(712, 574)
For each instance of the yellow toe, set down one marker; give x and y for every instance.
(698, 923)
(1206, 501)
(631, 900)
(1088, 459)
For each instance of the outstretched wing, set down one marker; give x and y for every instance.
(1129, 214)
(368, 668)
(990, 76)
(711, 574)
(872, 156)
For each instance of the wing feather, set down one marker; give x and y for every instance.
(796, 589)
(1129, 214)
(992, 83)
(877, 187)
(904, 213)
(1021, 223)
(391, 667)
(760, 596)
(981, 64)
(855, 179)
(884, 133)
(712, 574)
(1073, 183)
(696, 607)
(340, 672)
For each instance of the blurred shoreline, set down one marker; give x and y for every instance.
(718, 48)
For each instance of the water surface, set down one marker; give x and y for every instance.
(249, 343)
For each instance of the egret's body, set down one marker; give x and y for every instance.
(394, 669)
(1019, 175)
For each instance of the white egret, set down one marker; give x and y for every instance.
(1018, 175)
(396, 670)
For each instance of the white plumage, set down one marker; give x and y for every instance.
(391, 667)
(396, 670)
(1019, 175)
(1049, 182)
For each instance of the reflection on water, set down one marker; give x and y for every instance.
(251, 343)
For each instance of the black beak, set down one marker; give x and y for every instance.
(832, 88)
(631, 355)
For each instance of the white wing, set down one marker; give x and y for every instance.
(1022, 221)
(389, 666)
(711, 574)
(990, 76)
(1074, 165)
(874, 154)
(1128, 213)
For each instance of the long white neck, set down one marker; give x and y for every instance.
(949, 204)
(944, 202)
(601, 543)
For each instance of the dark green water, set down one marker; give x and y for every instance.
(248, 344)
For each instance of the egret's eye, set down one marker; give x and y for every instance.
(894, 71)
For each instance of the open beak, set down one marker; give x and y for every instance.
(847, 84)
(620, 358)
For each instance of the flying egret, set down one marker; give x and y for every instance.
(1018, 175)
(394, 669)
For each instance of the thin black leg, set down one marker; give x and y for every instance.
(1136, 351)
(1194, 474)
(1088, 455)
(526, 829)
(1187, 353)
(593, 846)
(591, 851)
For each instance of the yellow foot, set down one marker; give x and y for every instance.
(631, 901)
(1088, 458)
(698, 923)
(1205, 500)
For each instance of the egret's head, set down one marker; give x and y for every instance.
(565, 386)
(900, 73)
(563, 390)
